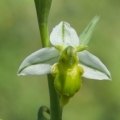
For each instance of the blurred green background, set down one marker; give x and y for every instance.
(20, 97)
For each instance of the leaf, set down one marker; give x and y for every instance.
(39, 62)
(42, 9)
(87, 33)
(64, 34)
(41, 111)
(93, 67)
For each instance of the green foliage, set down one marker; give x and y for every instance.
(41, 112)
(42, 9)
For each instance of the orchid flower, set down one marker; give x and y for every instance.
(68, 53)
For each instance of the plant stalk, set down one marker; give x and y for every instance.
(56, 111)
(42, 9)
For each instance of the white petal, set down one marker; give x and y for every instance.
(64, 34)
(94, 68)
(39, 62)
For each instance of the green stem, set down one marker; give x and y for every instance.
(44, 33)
(42, 8)
(56, 111)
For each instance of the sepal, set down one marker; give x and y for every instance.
(93, 67)
(39, 62)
